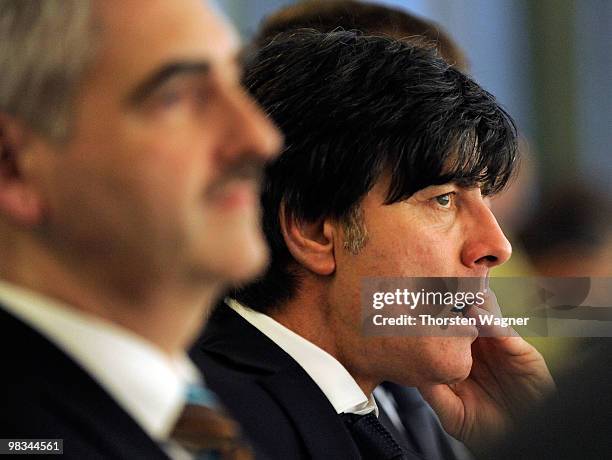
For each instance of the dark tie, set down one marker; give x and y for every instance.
(206, 431)
(373, 440)
(422, 427)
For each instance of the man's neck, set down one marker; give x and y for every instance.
(167, 314)
(306, 316)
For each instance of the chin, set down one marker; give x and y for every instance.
(432, 361)
(235, 260)
(452, 361)
(247, 262)
(459, 374)
(249, 273)
(234, 250)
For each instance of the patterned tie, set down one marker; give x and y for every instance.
(206, 431)
(422, 426)
(373, 440)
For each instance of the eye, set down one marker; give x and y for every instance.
(170, 98)
(182, 98)
(445, 200)
(201, 95)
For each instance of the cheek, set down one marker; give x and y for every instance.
(418, 361)
(180, 145)
(141, 187)
(419, 252)
(172, 169)
(395, 245)
(399, 254)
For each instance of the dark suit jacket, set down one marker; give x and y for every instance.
(281, 409)
(45, 394)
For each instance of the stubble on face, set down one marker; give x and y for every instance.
(404, 240)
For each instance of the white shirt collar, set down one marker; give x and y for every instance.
(332, 377)
(145, 381)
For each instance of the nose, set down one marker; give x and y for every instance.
(249, 131)
(485, 244)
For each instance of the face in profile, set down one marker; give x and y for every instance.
(440, 231)
(157, 180)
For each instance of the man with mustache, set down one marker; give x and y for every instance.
(128, 201)
(390, 156)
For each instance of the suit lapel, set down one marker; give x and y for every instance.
(390, 426)
(100, 419)
(320, 427)
(53, 382)
(314, 418)
(421, 424)
(229, 335)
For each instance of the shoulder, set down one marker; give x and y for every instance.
(280, 408)
(45, 394)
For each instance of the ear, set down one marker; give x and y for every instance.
(310, 243)
(19, 201)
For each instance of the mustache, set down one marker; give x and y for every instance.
(245, 168)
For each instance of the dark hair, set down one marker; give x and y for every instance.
(369, 18)
(353, 108)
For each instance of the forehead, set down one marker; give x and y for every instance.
(137, 36)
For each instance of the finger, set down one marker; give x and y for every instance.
(447, 405)
(490, 309)
(490, 303)
(489, 328)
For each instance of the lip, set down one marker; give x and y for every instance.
(484, 330)
(472, 312)
(235, 194)
(465, 330)
(474, 331)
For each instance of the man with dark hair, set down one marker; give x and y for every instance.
(129, 158)
(390, 155)
(376, 19)
(368, 18)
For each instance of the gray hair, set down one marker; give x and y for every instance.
(45, 48)
(355, 231)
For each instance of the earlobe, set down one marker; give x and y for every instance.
(310, 243)
(19, 203)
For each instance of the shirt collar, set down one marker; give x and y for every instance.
(146, 382)
(332, 377)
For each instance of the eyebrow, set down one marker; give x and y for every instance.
(165, 73)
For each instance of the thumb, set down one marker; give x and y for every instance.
(447, 405)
